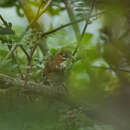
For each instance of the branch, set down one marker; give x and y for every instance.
(87, 20)
(11, 51)
(85, 27)
(62, 26)
(29, 63)
(50, 32)
(39, 13)
(111, 68)
(4, 22)
(72, 18)
(25, 52)
(30, 14)
(7, 29)
(45, 8)
(68, 24)
(31, 88)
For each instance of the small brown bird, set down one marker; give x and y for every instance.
(54, 68)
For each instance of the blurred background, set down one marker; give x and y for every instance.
(97, 77)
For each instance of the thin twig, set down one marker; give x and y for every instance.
(72, 18)
(4, 22)
(111, 68)
(87, 20)
(62, 26)
(47, 33)
(29, 63)
(18, 68)
(11, 51)
(66, 25)
(38, 15)
(85, 27)
(45, 8)
(25, 52)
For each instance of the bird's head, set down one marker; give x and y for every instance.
(65, 54)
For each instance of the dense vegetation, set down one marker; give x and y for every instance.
(96, 87)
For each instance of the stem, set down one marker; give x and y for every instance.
(87, 19)
(68, 24)
(28, 11)
(85, 27)
(72, 18)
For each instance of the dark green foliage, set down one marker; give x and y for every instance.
(20, 113)
(97, 77)
(6, 28)
(7, 3)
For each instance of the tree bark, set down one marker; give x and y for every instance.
(31, 88)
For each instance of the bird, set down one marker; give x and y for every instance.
(53, 72)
